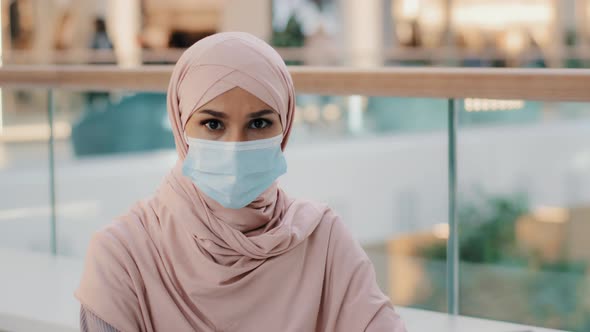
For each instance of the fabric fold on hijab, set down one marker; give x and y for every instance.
(179, 261)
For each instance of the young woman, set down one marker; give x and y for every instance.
(220, 247)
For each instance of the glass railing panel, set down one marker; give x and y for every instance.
(119, 149)
(25, 203)
(524, 212)
(363, 163)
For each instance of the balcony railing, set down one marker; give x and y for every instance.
(509, 83)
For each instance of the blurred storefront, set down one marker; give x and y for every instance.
(329, 32)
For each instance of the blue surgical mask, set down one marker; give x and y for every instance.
(234, 173)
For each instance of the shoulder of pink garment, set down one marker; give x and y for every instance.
(114, 238)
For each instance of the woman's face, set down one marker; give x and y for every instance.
(234, 116)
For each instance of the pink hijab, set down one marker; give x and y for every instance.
(181, 262)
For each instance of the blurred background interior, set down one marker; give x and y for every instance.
(73, 159)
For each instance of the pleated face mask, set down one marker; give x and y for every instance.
(234, 173)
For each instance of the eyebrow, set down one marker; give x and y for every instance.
(260, 113)
(222, 115)
(214, 113)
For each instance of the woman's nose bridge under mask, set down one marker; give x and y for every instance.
(238, 132)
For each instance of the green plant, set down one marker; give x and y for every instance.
(500, 281)
(486, 231)
(292, 36)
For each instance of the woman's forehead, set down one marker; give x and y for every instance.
(238, 101)
(239, 96)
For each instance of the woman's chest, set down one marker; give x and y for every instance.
(282, 293)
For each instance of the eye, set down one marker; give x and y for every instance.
(213, 124)
(260, 124)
